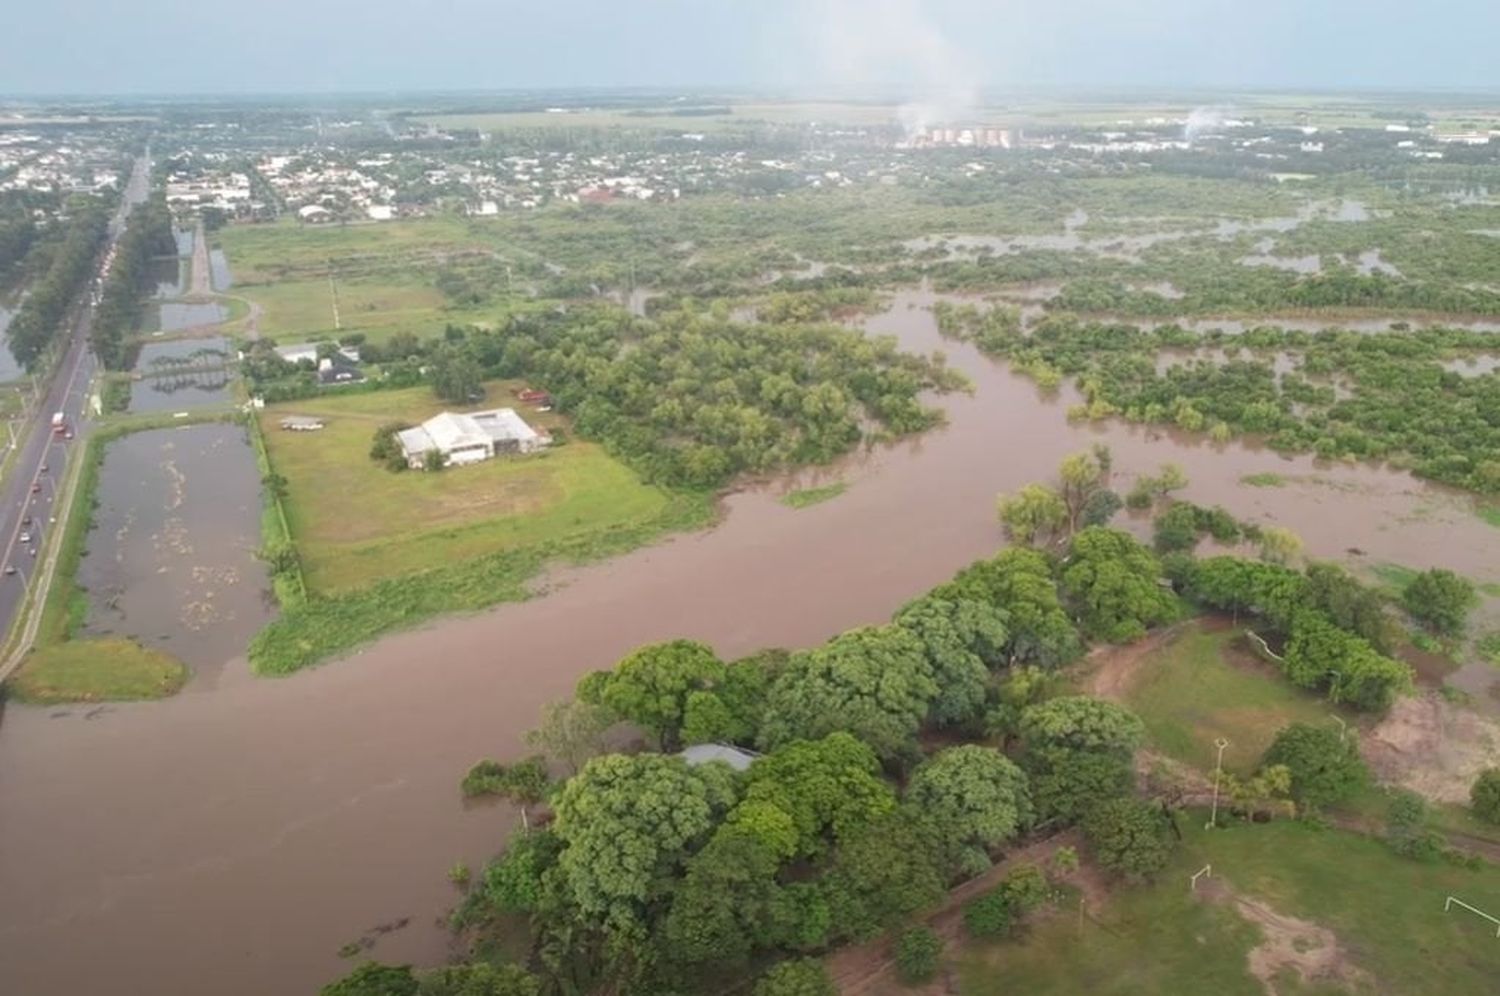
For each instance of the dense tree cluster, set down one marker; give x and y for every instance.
(1331, 631)
(1393, 396)
(658, 875)
(148, 234)
(38, 324)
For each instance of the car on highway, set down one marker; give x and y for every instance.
(36, 488)
(44, 468)
(10, 568)
(25, 537)
(26, 520)
(68, 434)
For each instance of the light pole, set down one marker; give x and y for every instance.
(1213, 819)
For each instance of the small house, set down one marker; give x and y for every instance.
(301, 423)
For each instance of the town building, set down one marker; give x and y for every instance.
(464, 438)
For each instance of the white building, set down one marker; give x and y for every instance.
(469, 438)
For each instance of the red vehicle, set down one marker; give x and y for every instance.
(533, 395)
(59, 423)
(36, 488)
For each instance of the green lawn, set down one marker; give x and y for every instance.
(1205, 684)
(298, 309)
(287, 249)
(412, 521)
(94, 670)
(1386, 911)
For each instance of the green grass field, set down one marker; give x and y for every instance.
(95, 670)
(412, 521)
(1206, 684)
(806, 497)
(1385, 911)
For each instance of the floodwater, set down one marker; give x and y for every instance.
(231, 841)
(1129, 246)
(176, 316)
(9, 369)
(170, 392)
(166, 274)
(171, 558)
(177, 354)
(218, 267)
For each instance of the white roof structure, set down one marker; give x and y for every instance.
(450, 432)
(737, 759)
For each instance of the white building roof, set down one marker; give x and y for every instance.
(737, 759)
(449, 431)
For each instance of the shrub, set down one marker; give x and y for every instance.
(1325, 769)
(1484, 796)
(1129, 838)
(917, 953)
(989, 916)
(803, 977)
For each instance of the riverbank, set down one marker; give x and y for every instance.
(286, 794)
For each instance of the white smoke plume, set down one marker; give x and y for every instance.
(1204, 121)
(896, 42)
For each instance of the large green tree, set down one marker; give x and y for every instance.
(960, 637)
(1021, 583)
(976, 797)
(809, 793)
(1440, 600)
(721, 908)
(875, 682)
(885, 872)
(803, 977)
(651, 686)
(1115, 582)
(1129, 837)
(628, 823)
(1325, 767)
(1081, 722)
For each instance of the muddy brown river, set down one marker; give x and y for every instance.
(230, 840)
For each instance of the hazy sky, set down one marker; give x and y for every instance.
(189, 46)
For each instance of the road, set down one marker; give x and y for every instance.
(29, 496)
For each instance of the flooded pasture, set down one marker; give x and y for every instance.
(171, 558)
(254, 830)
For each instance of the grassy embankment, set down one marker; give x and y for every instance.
(381, 550)
(1385, 911)
(813, 496)
(61, 666)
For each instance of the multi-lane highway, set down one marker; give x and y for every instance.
(28, 499)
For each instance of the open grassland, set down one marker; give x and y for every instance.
(302, 308)
(95, 670)
(355, 522)
(1205, 684)
(1385, 913)
(268, 252)
(739, 115)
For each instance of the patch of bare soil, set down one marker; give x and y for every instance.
(1114, 668)
(1431, 746)
(1302, 947)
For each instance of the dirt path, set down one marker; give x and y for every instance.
(1114, 668)
(859, 968)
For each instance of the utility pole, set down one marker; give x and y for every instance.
(1213, 819)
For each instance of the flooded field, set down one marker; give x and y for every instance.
(175, 316)
(9, 368)
(171, 558)
(180, 354)
(166, 277)
(172, 392)
(253, 831)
